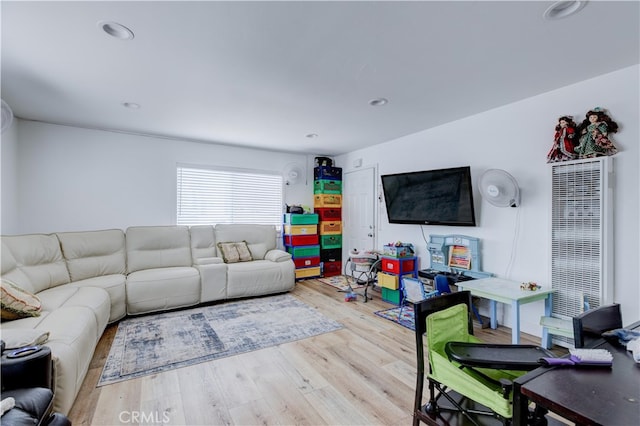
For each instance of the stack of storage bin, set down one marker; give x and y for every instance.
(301, 240)
(393, 270)
(327, 203)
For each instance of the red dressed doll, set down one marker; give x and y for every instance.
(563, 142)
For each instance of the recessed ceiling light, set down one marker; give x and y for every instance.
(116, 30)
(378, 101)
(312, 135)
(562, 9)
(131, 105)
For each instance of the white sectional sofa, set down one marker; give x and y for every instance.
(86, 280)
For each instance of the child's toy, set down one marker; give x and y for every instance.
(350, 297)
(529, 286)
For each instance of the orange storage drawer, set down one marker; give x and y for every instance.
(327, 200)
(398, 266)
(330, 228)
(314, 271)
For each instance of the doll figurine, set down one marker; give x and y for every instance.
(594, 135)
(563, 148)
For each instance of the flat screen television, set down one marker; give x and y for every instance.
(430, 197)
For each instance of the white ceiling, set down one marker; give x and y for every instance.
(265, 74)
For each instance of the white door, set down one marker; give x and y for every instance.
(359, 215)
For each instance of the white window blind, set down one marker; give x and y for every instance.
(208, 196)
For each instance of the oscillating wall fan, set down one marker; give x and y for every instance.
(7, 116)
(293, 174)
(499, 188)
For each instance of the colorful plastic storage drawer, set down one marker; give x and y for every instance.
(398, 266)
(330, 241)
(314, 271)
(301, 219)
(304, 251)
(331, 269)
(391, 296)
(327, 172)
(300, 229)
(305, 262)
(301, 240)
(327, 186)
(329, 213)
(327, 200)
(331, 255)
(392, 282)
(330, 228)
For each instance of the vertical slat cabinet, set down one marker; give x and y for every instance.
(302, 241)
(327, 203)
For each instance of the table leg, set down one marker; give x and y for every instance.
(515, 329)
(520, 406)
(493, 308)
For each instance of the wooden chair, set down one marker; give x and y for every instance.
(589, 325)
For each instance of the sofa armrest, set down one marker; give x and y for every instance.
(208, 261)
(277, 255)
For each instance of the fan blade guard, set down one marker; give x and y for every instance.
(499, 188)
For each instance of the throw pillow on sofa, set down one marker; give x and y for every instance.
(18, 303)
(235, 252)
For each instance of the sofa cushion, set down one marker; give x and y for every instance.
(34, 262)
(233, 252)
(259, 277)
(159, 289)
(20, 337)
(115, 286)
(94, 253)
(18, 303)
(203, 242)
(150, 247)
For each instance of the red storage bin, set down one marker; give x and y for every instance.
(328, 214)
(305, 262)
(398, 266)
(301, 240)
(331, 269)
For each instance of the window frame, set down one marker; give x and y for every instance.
(231, 171)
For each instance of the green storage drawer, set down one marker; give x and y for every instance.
(324, 186)
(391, 296)
(301, 219)
(330, 241)
(304, 251)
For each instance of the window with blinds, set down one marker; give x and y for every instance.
(581, 248)
(208, 196)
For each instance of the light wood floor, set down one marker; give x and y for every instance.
(363, 374)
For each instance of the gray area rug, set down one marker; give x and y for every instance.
(155, 343)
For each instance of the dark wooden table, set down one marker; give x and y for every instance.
(589, 396)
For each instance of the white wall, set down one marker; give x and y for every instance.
(516, 138)
(72, 179)
(8, 176)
